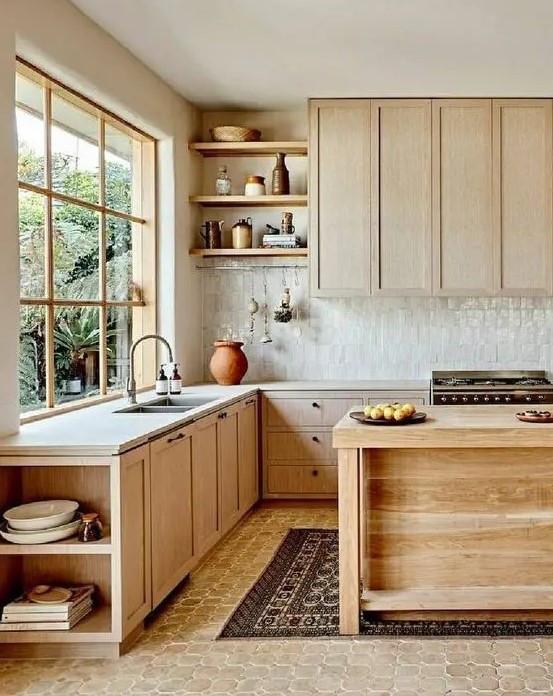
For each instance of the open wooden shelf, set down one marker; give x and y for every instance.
(95, 627)
(290, 201)
(58, 548)
(301, 251)
(294, 148)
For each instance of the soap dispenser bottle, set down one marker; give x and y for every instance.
(162, 383)
(175, 383)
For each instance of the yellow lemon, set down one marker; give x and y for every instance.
(367, 410)
(388, 413)
(400, 414)
(377, 413)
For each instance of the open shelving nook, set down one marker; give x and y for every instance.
(251, 149)
(91, 482)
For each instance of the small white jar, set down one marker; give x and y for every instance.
(255, 186)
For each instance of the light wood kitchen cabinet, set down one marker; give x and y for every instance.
(522, 162)
(227, 442)
(248, 462)
(136, 558)
(171, 511)
(303, 481)
(298, 458)
(339, 193)
(431, 196)
(224, 471)
(417, 398)
(463, 240)
(401, 196)
(205, 485)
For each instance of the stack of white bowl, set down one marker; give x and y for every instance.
(41, 522)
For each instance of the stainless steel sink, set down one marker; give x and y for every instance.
(179, 403)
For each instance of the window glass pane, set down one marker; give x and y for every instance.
(32, 213)
(76, 352)
(32, 358)
(76, 252)
(75, 152)
(119, 269)
(119, 161)
(30, 131)
(119, 339)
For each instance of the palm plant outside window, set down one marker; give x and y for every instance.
(87, 244)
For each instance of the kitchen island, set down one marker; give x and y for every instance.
(448, 518)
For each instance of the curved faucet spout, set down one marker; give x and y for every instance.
(131, 383)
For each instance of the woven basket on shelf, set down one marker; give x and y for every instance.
(234, 134)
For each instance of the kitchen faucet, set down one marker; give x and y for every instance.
(131, 383)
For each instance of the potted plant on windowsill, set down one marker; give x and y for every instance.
(74, 339)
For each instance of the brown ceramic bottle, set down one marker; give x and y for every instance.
(281, 177)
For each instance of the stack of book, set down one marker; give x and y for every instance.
(281, 241)
(25, 615)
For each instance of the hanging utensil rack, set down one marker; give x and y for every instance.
(253, 267)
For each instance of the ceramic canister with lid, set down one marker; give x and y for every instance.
(255, 186)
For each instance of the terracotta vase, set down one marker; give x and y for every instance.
(228, 364)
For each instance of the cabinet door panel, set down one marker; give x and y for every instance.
(227, 428)
(205, 487)
(136, 579)
(522, 195)
(462, 196)
(339, 165)
(248, 482)
(401, 196)
(171, 505)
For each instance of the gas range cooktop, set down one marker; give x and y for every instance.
(483, 387)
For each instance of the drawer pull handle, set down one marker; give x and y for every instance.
(222, 415)
(315, 472)
(315, 405)
(250, 401)
(315, 438)
(176, 437)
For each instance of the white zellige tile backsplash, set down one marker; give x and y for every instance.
(372, 338)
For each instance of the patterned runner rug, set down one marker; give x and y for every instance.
(296, 596)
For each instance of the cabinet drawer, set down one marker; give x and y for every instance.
(390, 397)
(304, 445)
(308, 412)
(302, 479)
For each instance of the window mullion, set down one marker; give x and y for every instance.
(103, 270)
(49, 243)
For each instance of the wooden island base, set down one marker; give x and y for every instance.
(459, 528)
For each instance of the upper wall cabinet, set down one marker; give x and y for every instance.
(522, 197)
(463, 250)
(339, 194)
(401, 196)
(435, 196)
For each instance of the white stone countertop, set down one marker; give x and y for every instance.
(99, 431)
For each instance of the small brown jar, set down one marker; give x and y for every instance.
(90, 528)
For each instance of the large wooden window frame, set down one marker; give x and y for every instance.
(143, 303)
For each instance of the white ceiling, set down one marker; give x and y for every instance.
(267, 54)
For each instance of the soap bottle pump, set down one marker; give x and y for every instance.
(162, 383)
(175, 383)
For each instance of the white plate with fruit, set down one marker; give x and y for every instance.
(388, 414)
